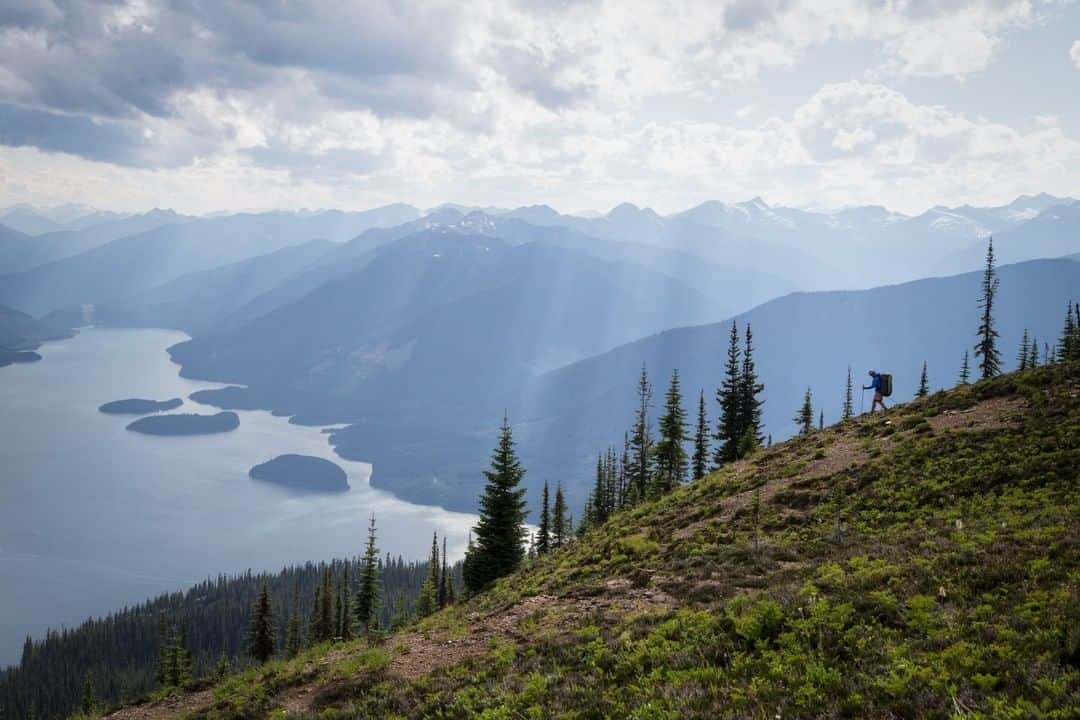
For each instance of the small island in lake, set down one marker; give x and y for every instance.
(305, 473)
(186, 424)
(139, 406)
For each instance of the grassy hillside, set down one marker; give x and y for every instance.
(921, 564)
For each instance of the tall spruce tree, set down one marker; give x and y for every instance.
(727, 395)
(986, 348)
(560, 524)
(699, 463)
(294, 635)
(805, 417)
(468, 565)
(641, 440)
(185, 662)
(749, 403)
(543, 533)
(924, 383)
(1033, 353)
(161, 668)
(345, 621)
(670, 451)
(365, 617)
(428, 600)
(965, 370)
(261, 638)
(1067, 344)
(501, 527)
(1024, 352)
(444, 579)
(848, 409)
(88, 701)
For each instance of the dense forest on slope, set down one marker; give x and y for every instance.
(119, 652)
(921, 563)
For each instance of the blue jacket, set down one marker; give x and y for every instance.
(875, 382)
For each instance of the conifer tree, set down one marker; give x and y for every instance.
(221, 670)
(316, 631)
(365, 619)
(185, 663)
(727, 395)
(670, 451)
(1033, 353)
(699, 463)
(560, 524)
(468, 576)
(1067, 344)
(543, 532)
(1024, 352)
(261, 641)
(88, 702)
(501, 529)
(986, 347)
(428, 600)
(624, 495)
(641, 441)
(326, 612)
(400, 618)
(805, 417)
(821, 420)
(924, 383)
(294, 635)
(848, 409)
(444, 579)
(749, 405)
(161, 668)
(965, 370)
(345, 605)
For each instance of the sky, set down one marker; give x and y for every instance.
(204, 106)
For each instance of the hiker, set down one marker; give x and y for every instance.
(879, 397)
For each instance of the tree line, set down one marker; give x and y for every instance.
(180, 638)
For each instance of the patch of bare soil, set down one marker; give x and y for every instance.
(990, 414)
(171, 707)
(419, 654)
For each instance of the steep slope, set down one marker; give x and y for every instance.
(922, 564)
(801, 340)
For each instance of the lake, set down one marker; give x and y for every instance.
(93, 516)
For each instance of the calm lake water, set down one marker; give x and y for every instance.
(93, 517)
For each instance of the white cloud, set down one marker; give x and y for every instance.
(503, 101)
(1074, 53)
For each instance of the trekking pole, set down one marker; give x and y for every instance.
(862, 401)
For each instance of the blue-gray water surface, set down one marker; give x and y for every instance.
(94, 517)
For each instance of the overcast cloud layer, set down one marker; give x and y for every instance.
(204, 105)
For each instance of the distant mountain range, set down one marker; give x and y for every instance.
(420, 329)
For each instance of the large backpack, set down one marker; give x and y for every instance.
(886, 384)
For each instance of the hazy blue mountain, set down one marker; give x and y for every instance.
(198, 301)
(719, 245)
(1054, 232)
(803, 339)
(428, 309)
(27, 220)
(15, 247)
(65, 243)
(21, 331)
